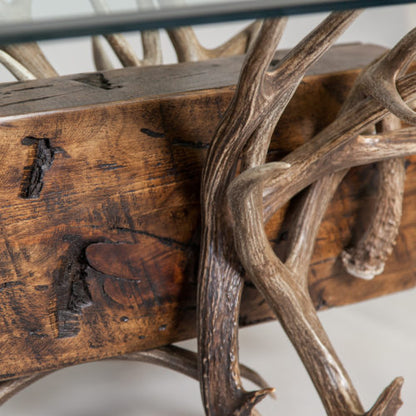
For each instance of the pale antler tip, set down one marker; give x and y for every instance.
(361, 270)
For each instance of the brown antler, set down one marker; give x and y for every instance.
(367, 258)
(16, 68)
(152, 50)
(258, 94)
(284, 285)
(189, 49)
(172, 357)
(32, 58)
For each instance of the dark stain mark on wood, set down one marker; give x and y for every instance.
(110, 166)
(41, 288)
(71, 288)
(193, 145)
(8, 285)
(177, 141)
(37, 334)
(407, 163)
(97, 80)
(33, 176)
(154, 134)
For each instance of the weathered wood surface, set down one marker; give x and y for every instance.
(99, 207)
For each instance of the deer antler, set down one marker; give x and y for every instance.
(101, 60)
(258, 94)
(284, 285)
(152, 51)
(16, 68)
(188, 47)
(172, 357)
(29, 55)
(379, 81)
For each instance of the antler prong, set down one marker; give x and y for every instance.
(188, 47)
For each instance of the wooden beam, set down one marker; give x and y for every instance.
(99, 207)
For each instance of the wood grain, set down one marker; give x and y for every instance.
(102, 260)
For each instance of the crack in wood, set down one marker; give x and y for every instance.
(34, 175)
(97, 80)
(71, 288)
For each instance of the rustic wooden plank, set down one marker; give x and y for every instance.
(53, 94)
(99, 209)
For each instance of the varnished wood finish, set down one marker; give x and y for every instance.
(101, 261)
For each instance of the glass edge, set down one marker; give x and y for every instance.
(168, 18)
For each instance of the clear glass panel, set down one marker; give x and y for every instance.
(26, 20)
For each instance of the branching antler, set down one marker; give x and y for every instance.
(31, 57)
(379, 81)
(188, 47)
(172, 357)
(184, 361)
(284, 285)
(28, 55)
(152, 51)
(16, 68)
(368, 257)
(258, 94)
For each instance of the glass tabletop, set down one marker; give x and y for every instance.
(31, 20)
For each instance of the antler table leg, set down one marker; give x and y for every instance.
(259, 93)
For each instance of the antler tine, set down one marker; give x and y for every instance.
(283, 290)
(389, 401)
(368, 257)
(305, 228)
(379, 80)
(101, 60)
(333, 137)
(29, 55)
(278, 285)
(185, 362)
(16, 68)
(335, 149)
(152, 48)
(152, 52)
(188, 48)
(172, 357)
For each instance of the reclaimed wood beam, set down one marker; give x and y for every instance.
(99, 209)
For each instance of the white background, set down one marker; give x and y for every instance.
(376, 340)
